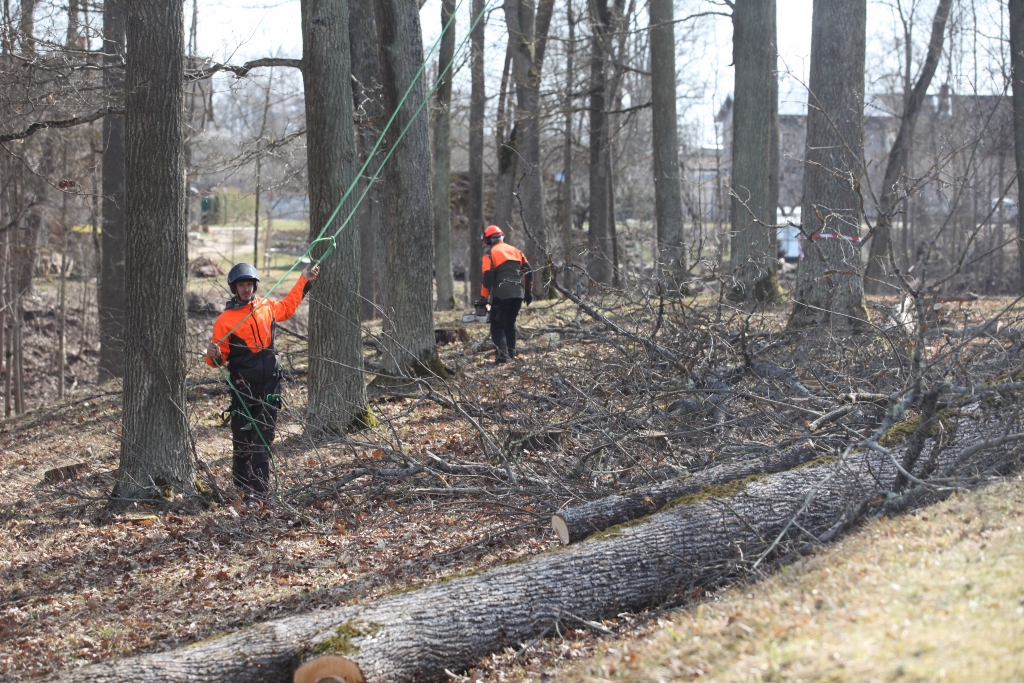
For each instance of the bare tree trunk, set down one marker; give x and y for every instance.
(508, 169)
(528, 34)
(1016, 8)
(755, 130)
(62, 313)
(879, 262)
(337, 393)
(71, 39)
(568, 200)
(508, 157)
(111, 296)
(477, 105)
(259, 168)
(613, 228)
(156, 458)
(443, 163)
(369, 111)
(668, 205)
(599, 267)
(18, 314)
(267, 231)
(28, 26)
(7, 332)
(830, 285)
(409, 319)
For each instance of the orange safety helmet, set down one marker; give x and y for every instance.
(493, 231)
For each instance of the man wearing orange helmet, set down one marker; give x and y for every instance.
(508, 281)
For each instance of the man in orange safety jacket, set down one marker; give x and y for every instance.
(243, 340)
(508, 282)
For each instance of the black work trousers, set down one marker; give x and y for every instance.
(253, 428)
(503, 322)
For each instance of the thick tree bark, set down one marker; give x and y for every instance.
(508, 166)
(155, 448)
(443, 164)
(408, 317)
(575, 524)
(477, 106)
(111, 296)
(678, 553)
(337, 394)
(755, 128)
(506, 147)
(598, 239)
(879, 264)
(368, 115)
(1017, 67)
(668, 203)
(568, 200)
(830, 286)
(528, 35)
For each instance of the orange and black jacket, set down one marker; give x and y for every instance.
(507, 273)
(245, 334)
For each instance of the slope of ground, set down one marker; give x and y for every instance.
(584, 413)
(932, 596)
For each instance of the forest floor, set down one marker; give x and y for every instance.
(79, 583)
(931, 596)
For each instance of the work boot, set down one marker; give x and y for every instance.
(500, 355)
(512, 353)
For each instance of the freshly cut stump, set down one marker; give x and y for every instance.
(328, 669)
(575, 524)
(677, 553)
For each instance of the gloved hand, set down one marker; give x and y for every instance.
(528, 298)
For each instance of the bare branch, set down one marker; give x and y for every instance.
(240, 71)
(60, 123)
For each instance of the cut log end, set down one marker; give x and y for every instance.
(561, 528)
(329, 669)
(65, 473)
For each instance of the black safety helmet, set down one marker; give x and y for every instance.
(241, 272)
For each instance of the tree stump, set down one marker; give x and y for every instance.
(450, 335)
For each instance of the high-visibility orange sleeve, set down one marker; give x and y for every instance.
(221, 330)
(286, 307)
(484, 291)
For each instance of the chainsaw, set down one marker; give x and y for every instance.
(482, 314)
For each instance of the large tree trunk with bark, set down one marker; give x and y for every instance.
(1017, 65)
(477, 106)
(575, 524)
(830, 286)
(568, 199)
(755, 130)
(599, 263)
(879, 265)
(695, 545)
(366, 94)
(337, 394)
(668, 203)
(441, 210)
(111, 297)
(408, 316)
(528, 35)
(155, 447)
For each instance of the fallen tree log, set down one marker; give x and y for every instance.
(675, 554)
(575, 524)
